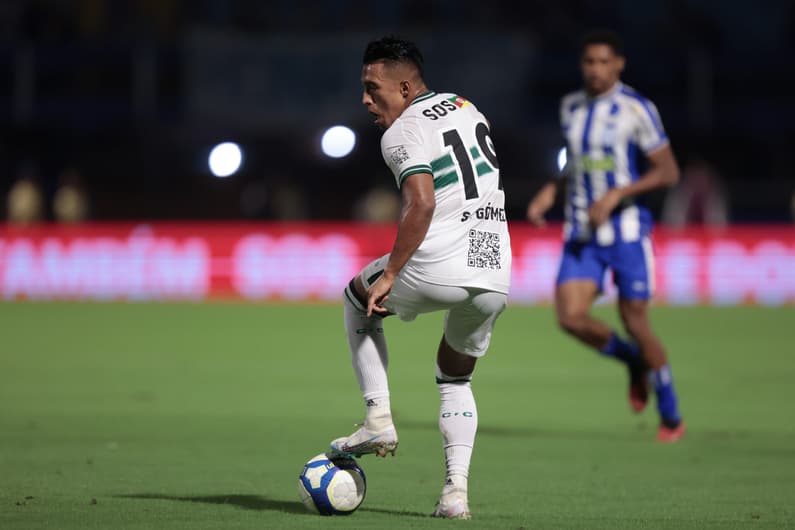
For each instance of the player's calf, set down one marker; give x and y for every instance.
(639, 385)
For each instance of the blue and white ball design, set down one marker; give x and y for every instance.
(332, 486)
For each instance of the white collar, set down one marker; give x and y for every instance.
(609, 93)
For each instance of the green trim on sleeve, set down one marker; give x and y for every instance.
(413, 170)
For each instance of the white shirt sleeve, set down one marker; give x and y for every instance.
(565, 115)
(404, 150)
(567, 103)
(649, 133)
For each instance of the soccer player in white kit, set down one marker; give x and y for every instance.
(606, 126)
(452, 253)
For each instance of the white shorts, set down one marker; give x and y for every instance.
(471, 312)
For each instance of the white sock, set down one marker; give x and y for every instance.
(458, 422)
(369, 357)
(454, 483)
(378, 415)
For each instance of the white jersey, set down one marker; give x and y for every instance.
(604, 137)
(467, 243)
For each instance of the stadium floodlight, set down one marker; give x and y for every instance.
(225, 159)
(561, 158)
(338, 141)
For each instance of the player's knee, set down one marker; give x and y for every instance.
(353, 294)
(571, 323)
(635, 317)
(637, 326)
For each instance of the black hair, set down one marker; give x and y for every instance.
(603, 36)
(393, 49)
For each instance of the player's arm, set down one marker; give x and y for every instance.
(663, 172)
(542, 201)
(418, 204)
(544, 198)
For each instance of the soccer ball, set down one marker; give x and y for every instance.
(332, 486)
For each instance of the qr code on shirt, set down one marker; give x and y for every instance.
(484, 250)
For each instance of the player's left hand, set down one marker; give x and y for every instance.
(378, 294)
(600, 210)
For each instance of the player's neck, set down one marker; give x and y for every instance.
(418, 91)
(613, 88)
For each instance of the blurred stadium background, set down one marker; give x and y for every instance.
(111, 109)
(200, 415)
(132, 95)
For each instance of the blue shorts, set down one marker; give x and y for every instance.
(632, 265)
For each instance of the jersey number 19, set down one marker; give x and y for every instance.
(453, 139)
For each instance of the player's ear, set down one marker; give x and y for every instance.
(404, 88)
(621, 63)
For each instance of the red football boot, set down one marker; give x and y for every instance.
(668, 434)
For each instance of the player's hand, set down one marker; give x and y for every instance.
(535, 212)
(542, 201)
(601, 209)
(378, 294)
(537, 208)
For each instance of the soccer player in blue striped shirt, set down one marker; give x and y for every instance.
(607, 125)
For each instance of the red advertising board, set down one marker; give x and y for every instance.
(313, 261)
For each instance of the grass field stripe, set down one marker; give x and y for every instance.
(229, 396)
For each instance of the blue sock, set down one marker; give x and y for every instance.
(666, 396)
(622, 350)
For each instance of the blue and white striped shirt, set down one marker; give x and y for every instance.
(603, 136)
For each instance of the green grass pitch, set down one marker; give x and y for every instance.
(193, 416)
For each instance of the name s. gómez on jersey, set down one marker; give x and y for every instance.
(604, 135)
(467, 243)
